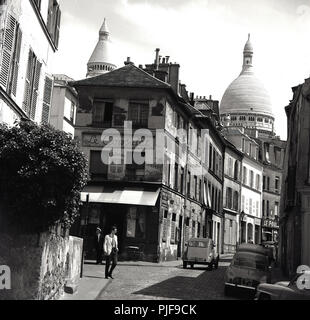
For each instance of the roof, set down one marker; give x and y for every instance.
(128, 76)
(246, 94)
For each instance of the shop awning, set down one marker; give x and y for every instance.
(125, 196)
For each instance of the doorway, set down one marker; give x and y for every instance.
(180, 229)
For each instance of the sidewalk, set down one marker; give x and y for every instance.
(92, 283)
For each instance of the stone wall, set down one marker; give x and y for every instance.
(40, 264)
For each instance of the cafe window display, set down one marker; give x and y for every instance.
(136, 223)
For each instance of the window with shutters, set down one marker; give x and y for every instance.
(47, 96)
(10, 55)
(53, 21)
(32, 85)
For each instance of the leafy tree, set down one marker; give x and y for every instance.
(42, 172)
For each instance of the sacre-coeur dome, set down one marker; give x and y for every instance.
(102, 58)
(246, 94)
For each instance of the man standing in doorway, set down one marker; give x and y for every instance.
(98, 245)
(110, 248)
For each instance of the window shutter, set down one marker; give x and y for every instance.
(16, 62)
(35, 92)
(7, 52)
(47, 96)
(57, 31)
(28, 82)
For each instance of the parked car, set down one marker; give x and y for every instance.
(201, 251)
(284, 290)
(249, 267)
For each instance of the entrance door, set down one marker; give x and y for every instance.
(115, 215)
(180, 237)
(218, 237)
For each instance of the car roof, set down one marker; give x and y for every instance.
(253, 248)
(201, 239)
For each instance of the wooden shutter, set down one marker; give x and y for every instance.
(47, 96)
(57, 31)
(8, 49)
(28, 82)
(35, 89)
(15, 70)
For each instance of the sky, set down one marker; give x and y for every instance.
(206, 37)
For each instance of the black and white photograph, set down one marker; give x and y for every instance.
(154, 151)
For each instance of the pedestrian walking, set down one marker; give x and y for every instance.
(98, 244)
(110, 250)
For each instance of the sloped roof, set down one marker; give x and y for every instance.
(127, 76)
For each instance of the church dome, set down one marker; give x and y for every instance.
(101, 60)
(246, 94)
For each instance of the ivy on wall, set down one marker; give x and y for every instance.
(42, 172)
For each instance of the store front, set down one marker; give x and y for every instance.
(270, 230)
(133, 212)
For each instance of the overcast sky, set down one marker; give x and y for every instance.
(206, 37)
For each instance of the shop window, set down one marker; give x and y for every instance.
(136, 223)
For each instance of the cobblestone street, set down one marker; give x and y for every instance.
(148, 281)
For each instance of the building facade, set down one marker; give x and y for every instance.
(28, 39)
(248, 121)
(64, 104)
(232, 197)
(295, 203)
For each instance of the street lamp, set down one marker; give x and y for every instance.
(242, 214)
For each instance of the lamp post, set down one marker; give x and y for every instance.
(242, 214)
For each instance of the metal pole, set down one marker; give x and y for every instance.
(83, 235)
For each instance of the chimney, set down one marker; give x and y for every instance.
(210, 97)
(127, 62)
(167, 59)
(157, 58)
(174, 77)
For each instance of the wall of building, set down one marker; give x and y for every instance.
(33, 37)
(40, 264)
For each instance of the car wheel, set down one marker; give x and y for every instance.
(184, 264)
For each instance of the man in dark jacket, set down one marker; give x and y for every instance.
(98, 244)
